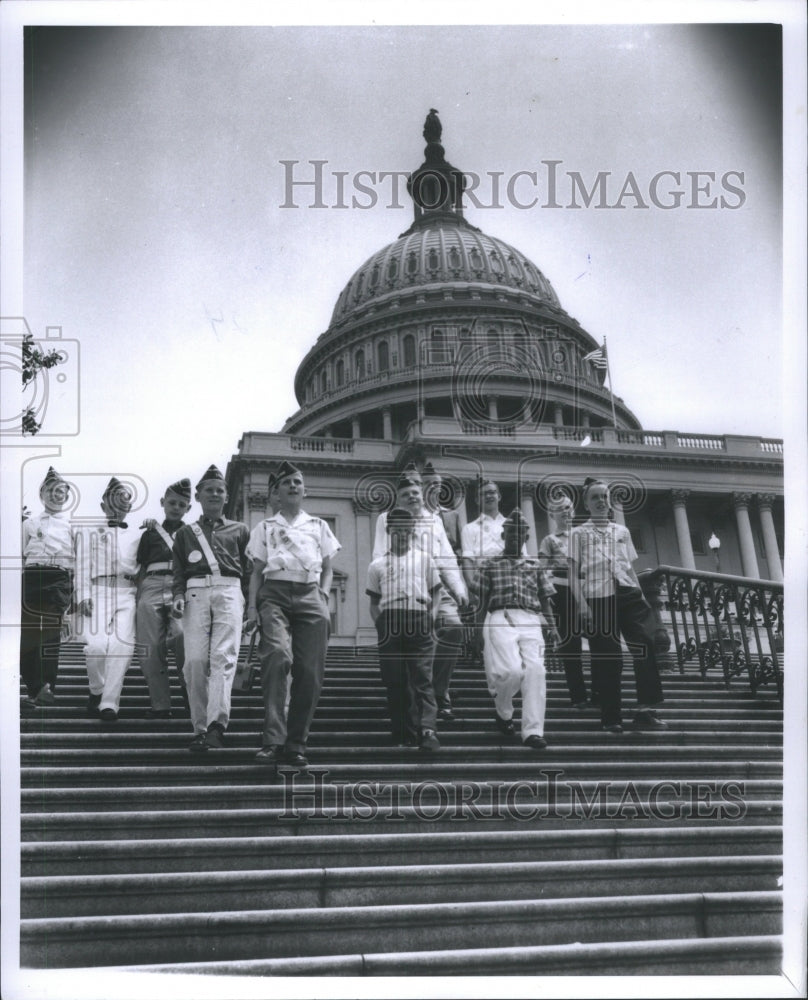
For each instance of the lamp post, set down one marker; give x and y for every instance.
(714, 542)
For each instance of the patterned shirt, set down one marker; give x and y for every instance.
(604, 555)
(227, 539)
(47, 540)
(404, 581)
(293, 550)
(508, 582)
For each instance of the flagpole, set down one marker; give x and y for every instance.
(609, 374)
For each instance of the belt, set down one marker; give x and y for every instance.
(51, 564)
(514, 607)
(156, 567)
(213, 581)
(159, 572)
(399, 604)
(111, 580)
(290, 576)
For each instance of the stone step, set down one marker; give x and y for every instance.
(715, 956)
(386, 885)
(229, 766)
(343, 844)
(193, 937)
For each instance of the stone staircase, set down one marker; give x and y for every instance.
(646, 854)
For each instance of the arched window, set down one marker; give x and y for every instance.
(383, 355)
(409, 351)
(492, 339)
(340, 372)
(359, 363)
(323, 383)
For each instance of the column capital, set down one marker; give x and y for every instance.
(257, 501)
(680, 496)
(741, 499)
(527, 491)
(359, 508)
(765, 500)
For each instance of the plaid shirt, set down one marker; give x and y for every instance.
(508, 582)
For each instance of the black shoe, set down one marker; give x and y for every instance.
(295, 758)
(45, 696)
(270, 753)
(199, 744)
(581, 706)
(447, 715)
(28, 706)
(93, 701)
(505, 726)
(429, 741)
(615, 728)
(158, 713)
(535, 742)
(108, 716)
(648, 720)
(215, 736)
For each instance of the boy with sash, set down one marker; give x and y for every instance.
(157, 629)
(289, 591)
(211, 570)
(106, 591)
(48, 556)
(514, 592)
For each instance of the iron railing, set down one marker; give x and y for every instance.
(720, 622)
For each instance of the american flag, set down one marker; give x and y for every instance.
(597, 358)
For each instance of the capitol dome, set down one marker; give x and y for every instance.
(447, 322)
(441, 251)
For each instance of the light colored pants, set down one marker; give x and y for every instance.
(111, 640)
(513, 654)
(157, 631)
(212, 629)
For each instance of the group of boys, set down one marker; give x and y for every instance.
(186, 586)
(183, 586)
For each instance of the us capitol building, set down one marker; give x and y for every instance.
(450, 346)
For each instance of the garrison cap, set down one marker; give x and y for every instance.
(182, 488)
(211, 473)
(284, 469)
(52, 477)
(516, 519)
(399, 517)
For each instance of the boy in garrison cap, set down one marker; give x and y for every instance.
(289, 591)
(48, 555)
(211, 570)
(430, 537)
(157, 629)
(513, 592)
(404, 587)
(106, 591)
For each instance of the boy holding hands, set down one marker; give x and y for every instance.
(513, 592)
(404, 589)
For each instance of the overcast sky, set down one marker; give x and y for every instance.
(155, 234)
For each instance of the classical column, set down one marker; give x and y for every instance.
(558, 415)
(748, 556)
(765, 501)
(679, 498)
(355, 428)
(493, 414)
(387, 424)
(526, 503)
(619, 516)
(364, 552)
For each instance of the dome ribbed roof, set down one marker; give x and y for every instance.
(441, 251)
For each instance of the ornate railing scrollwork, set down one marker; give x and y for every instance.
(724, 622)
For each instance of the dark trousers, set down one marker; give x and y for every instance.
(406, 647)
(625, 613)
(295, 626)
(46, 592)
(569, 649)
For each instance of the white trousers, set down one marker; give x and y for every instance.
(110, 632)
(513, 654)
(212, 628)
